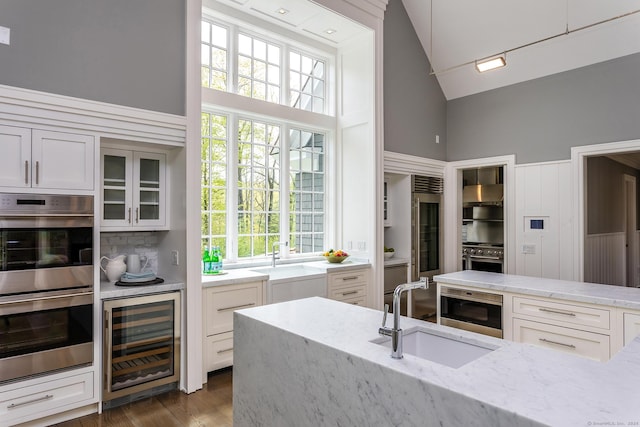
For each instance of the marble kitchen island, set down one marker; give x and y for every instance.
(310, 362)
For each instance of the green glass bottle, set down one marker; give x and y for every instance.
(206, 261)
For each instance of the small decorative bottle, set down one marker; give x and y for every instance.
(215, 256)
(206, 261)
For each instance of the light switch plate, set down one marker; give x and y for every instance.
(528, 249)
(5, 35)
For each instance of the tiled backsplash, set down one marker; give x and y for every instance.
(142, 243)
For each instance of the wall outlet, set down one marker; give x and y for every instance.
(175, 257)
(362, 246)
(437, 139)
(349, 245)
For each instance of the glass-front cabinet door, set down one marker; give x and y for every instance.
(116, 187)
(133, 190)
(149, 171)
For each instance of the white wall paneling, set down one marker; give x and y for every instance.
(604, 258)
(543, 191)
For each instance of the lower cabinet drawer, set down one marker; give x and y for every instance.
(563, 313)
(361, 301)
(586, 344)
(47, 398)
(352, 292)
(219, 351)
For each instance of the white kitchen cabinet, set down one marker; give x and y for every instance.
(134, 188)
(349, 286)
(44, 397)
(581, 329)
(581, 343)
(219, 303)
(631, 326)
(43, 159)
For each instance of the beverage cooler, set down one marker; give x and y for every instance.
(141, 344)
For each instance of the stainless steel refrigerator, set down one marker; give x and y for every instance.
(426, 243)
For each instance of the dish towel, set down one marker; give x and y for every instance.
(134, 276)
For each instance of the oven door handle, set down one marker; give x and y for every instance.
(46, 301)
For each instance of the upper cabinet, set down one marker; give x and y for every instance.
(41, 159)
(133, 190)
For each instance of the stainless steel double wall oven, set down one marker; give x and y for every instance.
(46, 283)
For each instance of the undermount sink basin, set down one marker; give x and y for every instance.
(287, 271)
(438, 347)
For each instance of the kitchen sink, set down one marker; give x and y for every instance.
(289, 282)
(288, 271)
(439, 347)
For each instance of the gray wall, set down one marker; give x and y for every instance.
(127, 52)
(414, 105)
(605, 195)
(540, 120)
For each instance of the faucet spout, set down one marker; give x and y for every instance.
(396, 332)
(273, 251)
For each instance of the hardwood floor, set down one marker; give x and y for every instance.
(209, 407)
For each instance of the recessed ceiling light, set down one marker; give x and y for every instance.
(491, 64)
(282, 11)
(330, 31)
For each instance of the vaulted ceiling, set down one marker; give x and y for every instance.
(456, 32)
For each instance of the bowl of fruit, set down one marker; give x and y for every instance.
(389, 252)
(335, 256)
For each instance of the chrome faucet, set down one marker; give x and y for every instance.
(396, 333)
(273, 252)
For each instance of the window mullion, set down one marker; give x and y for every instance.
(284, 77)
(232, 188)
(285, 233)
(233, 59)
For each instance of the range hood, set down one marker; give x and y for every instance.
(489, 194)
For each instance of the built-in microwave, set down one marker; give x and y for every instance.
(473, 311)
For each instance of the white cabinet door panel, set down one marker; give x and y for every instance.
(62, 160)
(15, 157)
(573, 341)
(631, 327)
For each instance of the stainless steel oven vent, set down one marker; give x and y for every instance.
(426, 184)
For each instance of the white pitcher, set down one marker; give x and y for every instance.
(133, 263)
(115, 267)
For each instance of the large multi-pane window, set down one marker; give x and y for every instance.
(258, 187)
(214, 180)
(214, 50)
(263, 178)
(306, 82)
(306, 190)
(258, 70)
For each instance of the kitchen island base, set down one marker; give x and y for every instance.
(287, 378)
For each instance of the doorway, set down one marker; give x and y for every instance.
(631, 277)
(606, 197)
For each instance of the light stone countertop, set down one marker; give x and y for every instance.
(244, 275)
(615, 296)
(109, 290)
(517, 384)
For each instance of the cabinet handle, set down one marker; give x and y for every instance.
(37, 172)
(566, 313)
(129, 219)
(349, 278)
(27, 402)
(26, 171)
(344, 294)
(557, 343)
(226, 350)
(137, 209)
(236, 307)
